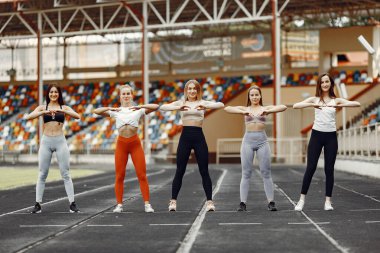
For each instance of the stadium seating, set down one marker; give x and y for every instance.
(97, 132)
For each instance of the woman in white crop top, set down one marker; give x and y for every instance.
(255, 140)
(192, 110)
(323, 135)
(128, 143)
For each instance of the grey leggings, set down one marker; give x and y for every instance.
(49, 144)
(255, 141)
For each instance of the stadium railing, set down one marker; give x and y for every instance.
(360, 143)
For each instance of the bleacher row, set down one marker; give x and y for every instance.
(93, 130)
(370, 116)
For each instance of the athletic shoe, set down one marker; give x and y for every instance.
(242, 207)
(36, 208)
(118, 208)
(299, 205)
(328, 206)
(210, 206)
(173, 205)
(74, 208)
(148, 208)
(272, 206)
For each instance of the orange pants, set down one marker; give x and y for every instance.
(124, 147)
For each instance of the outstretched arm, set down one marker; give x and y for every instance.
(39, 111)
(69, 111)
(211, 105)
(341, 102)
(148, 108)
(309, 102)
(103, 110)
(273, 109)
(236, 109)
(172, 106)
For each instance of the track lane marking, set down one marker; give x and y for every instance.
(190, 237)
(324, 233)
(81, 193)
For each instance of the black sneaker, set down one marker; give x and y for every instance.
(36, 208)
(242, 207)
(271, 206)
(73, 208)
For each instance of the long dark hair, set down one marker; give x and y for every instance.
(318, 91)
(60, 98)
(256, 88)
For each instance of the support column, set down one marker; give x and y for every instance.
(39, 74)
(145, 72)
(276, 54)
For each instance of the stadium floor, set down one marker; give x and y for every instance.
(354, 225)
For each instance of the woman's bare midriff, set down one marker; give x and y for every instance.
(196, 123)
(53, 128)
(254, 127)
(127, 131)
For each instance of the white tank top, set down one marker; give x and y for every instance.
(127, 116)
(324, 120)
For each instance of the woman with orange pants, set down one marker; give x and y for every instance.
(128, 143)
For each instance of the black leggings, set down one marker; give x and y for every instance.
(319, 140)
(192, 138)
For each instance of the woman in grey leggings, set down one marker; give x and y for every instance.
(53, 140)
(255, 140)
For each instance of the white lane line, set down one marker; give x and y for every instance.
(228, 224)
(344, 188)
(38, 226)
(118, 213)
(68, 212)
(363, 210)
(325, 234)
(308, 223)
(372, 221)
(104, 225)
(81, 193)
(178, 224)
(70, 228)
(190, 237)
(361, 194)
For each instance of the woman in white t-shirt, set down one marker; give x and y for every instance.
(323, 135)
(128, 143)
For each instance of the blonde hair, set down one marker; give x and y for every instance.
(124, 86)
(197, 87)
(254, 87)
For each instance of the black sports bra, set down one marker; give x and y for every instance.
(59, 117)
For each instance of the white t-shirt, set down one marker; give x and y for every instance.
(325, 118)
(126, 116)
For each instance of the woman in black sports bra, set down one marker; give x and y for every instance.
(53, 140)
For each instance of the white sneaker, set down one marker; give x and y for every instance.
(328, 206)
(173, 205)
(299, 205)
(210, 206)
(149, 208)
(118, 208)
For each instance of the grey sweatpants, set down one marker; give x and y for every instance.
(50, 144)
(255, 142)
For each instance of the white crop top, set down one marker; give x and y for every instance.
(192, 113)
(324, 120)
(127, 116)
